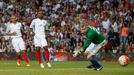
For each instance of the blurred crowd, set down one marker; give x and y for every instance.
(114, 18)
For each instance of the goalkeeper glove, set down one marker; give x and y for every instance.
(76, 53)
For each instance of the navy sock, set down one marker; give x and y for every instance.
(95, 63)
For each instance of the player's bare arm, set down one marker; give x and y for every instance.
(31, 32)
(11, 33)
(22, 30)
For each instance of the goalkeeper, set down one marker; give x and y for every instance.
(95, 39)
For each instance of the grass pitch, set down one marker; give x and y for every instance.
(64, 68)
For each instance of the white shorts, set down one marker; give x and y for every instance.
(18, 44)
(94, 48)
(40, 41)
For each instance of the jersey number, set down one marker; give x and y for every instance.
(95, 30)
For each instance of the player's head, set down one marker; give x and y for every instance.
(40, 14)
(13, 18)
(83, 27)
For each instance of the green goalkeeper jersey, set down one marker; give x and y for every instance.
(93, 36)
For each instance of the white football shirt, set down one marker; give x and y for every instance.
(38, 26)
(15, 28)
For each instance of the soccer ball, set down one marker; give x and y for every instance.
(123, 60)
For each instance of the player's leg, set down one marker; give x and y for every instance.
(39, 57)
(89, 50)
(37, 42)
(45, 47)
(92, 65)
(47, 56)
(94, 62)
(16, 47)
(23, 48)
(90, 55)
(25, 56)
(18, 59)
(93, 52)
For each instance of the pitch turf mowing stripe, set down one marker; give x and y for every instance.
(69, 69)
(64, 68)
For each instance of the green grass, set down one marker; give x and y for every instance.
(64, 68)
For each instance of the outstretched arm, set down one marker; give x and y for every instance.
(83, 48)
(86, 44)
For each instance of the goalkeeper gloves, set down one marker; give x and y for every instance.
(76, 53)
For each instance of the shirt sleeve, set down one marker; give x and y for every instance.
(86, 44)
(21, 26)
(8, 29)
(32, 24)
(45, 23)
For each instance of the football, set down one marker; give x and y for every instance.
(123, 60)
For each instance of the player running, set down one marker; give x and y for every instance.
(14, 29)
(95, 40)
(38, 28)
